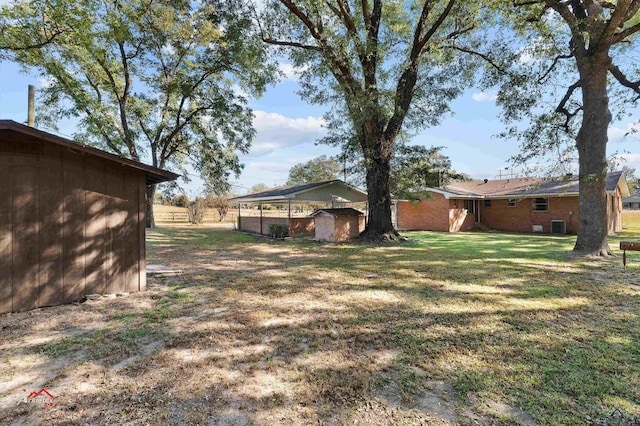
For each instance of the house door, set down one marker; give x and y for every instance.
(477, 210)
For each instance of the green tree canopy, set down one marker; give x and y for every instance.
(319, 169)
(259, 187)
(161, 81)
(415, 168)
(632, 180)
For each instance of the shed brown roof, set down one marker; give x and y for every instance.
(153, 174)
(345, 211)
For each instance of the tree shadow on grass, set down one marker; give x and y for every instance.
(343, 334)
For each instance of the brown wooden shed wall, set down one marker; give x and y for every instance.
(71, 224)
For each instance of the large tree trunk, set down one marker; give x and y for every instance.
(379, 199)
(592, 144)
(150, 220)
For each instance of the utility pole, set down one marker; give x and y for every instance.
(31, 120)
(344, 169)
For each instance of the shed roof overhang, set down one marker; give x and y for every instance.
(624, 187)
(153, 175)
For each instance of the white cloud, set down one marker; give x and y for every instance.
(484, 97)
(168, 50)
(630, 160)
(274, 131)
(46, 82)
(290, 72)
(267, 165)
(527, 52)
(617, 134)
(240, 91)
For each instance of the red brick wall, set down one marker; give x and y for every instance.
(431, 214)
(440, 214)
(347, 227)
(459, 218)
(301, 225)
(296, 225)
(521, 218)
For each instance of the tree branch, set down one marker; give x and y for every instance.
(123, 101)
(572, 19)
(527, 3)
(484, 56)
(437, 24)
(39, 45)
(291, 44)
(372, 26)
(340, 66)
(562, 106)
(407, 81)
(622, 79)
(553, 65)
(618, 37)
(343, 13)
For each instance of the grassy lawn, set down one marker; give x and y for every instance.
(468, 328)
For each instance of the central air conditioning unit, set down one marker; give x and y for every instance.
(558, 227)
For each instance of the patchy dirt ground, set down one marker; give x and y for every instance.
(260, 332)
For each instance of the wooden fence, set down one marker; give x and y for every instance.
(183, 217)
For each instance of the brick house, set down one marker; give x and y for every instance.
(632, 202)
(514, 205)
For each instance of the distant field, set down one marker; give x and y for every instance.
(173, 214)
(168, 209)
(631, 220)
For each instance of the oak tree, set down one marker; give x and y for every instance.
(414, 168)
(318, 169)
(575, 57)
(383, 66)
(161, 81)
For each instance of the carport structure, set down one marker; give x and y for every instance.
(322, 194)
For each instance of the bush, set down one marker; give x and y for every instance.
(180, 201)
(220, 203)
(278, 230)
(197, 210)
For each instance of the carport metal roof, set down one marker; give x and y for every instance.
(328, 191)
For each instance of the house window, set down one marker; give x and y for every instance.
(541, 205)
(470, 205)
(487, 203)
(511, 202)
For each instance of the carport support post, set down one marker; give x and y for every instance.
(260, 205)
(289, 209)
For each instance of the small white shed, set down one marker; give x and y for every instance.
(340, 224)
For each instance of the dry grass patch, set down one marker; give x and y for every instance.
(470, 328)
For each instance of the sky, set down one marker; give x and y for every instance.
(288, 128)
